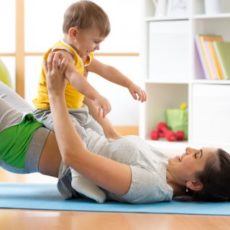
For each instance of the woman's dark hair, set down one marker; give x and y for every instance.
(215, 178)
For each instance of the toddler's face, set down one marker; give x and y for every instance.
(87, 40)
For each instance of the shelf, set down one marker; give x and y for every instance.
(211, 82)
(194, 17)
(173, 74)
(159, 19)
(150, 81)
(177, 148)
(170, 148)
(213, 16)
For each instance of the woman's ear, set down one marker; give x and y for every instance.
(194, 185)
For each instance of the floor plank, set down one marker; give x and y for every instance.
(36, 220)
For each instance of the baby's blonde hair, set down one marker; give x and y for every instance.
(84, 15)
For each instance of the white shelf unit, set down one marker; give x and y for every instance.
(173, 74)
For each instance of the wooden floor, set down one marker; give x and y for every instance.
(50, 220)
(63, 220)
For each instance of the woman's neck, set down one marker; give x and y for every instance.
(178, 190)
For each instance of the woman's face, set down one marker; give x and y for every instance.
(184, 168)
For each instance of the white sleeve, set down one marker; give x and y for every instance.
(147, 187)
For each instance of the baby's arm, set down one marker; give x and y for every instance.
(112, 74)
(80, 83)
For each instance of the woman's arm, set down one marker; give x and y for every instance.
(110, 175)
(108, 129)
(80, 83)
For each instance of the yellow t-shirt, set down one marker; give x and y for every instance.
(74, 99)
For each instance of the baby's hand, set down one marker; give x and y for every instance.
(103, 106)
(137, 93)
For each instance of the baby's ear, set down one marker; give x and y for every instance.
(194, 185)
(73, 32)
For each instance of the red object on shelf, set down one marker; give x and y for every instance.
(180, 136)
(170, 135)
(163, 131)
(154, 135)
(161, 126)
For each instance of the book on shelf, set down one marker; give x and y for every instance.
(215, 60)
(222, 50)
(210, 61)
(209, 65)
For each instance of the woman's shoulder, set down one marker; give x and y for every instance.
(147, 187)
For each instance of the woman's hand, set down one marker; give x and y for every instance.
(55, 68)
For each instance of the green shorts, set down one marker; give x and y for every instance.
(22, 144)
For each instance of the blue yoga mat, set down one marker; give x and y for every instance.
(46, 197)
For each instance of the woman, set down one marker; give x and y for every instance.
(200, 171)
(127, 168)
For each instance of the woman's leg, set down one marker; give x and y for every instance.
(50, 159)
(14, 99)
